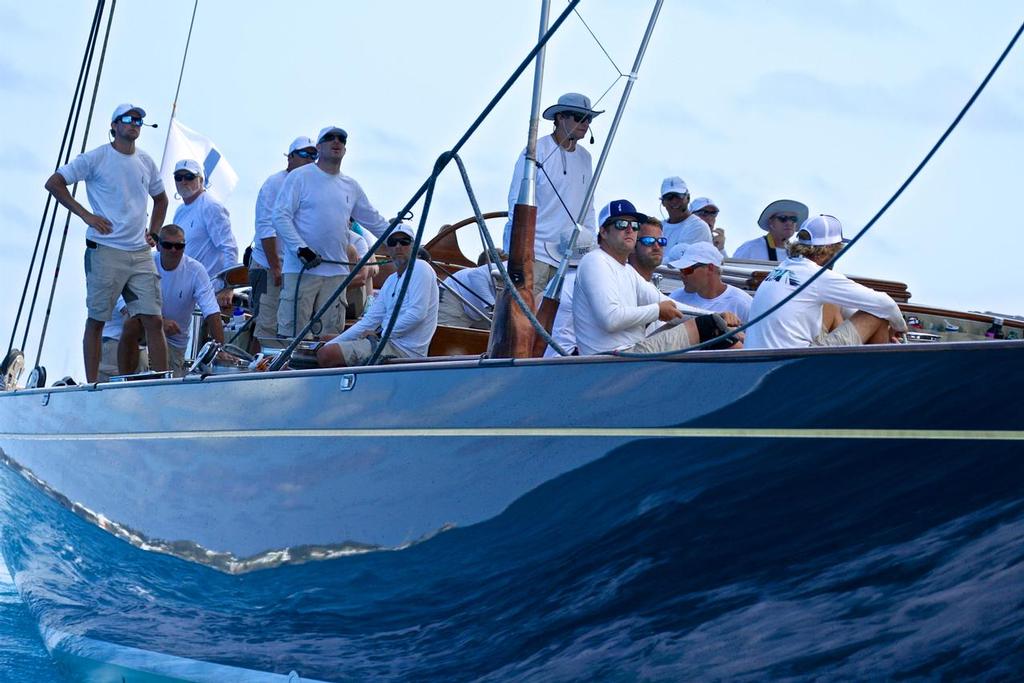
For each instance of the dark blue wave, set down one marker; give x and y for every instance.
(666, 560)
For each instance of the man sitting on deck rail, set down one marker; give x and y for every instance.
(706, 210)
(779, 220)
(613, 304)
(874, 315)
(563, 177)
(119, 180)
(417, 318)
(701, 270)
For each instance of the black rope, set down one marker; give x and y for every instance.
(67, 221)
(61, 158)
(906, 183)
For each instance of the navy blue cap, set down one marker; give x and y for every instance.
(619, 208)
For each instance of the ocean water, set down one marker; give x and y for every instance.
(22, 655)
(788, 560)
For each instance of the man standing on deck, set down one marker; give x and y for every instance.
(417, 317)
(119, 179)
(681, 227)
(268, 251)
(779, 219)
(563, 177)
(312, 215)
(207, 226)
(701, 270)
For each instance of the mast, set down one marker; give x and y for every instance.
(512, 334)
(553, 292)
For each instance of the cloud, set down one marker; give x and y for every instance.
(13, 80)
(23, 160)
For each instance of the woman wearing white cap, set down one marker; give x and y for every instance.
(779, 220)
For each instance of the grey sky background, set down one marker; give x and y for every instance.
(830, 103)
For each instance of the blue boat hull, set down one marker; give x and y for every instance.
(247, 527)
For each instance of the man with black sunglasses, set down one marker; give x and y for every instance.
(564, 173)
(613, 304)
(417, 316)
(119, 181)
(681, 227)
(700, 267)
(779, 220)
(265, 274)
(312, 215)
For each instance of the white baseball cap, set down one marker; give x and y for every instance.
(698, 252)
(189, 165)
(673, 184)
(405, 229)
(328, 130)
(123, 109)
(701, 203)
(819, 231)
(301, 142)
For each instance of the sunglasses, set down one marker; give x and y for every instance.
(172, 245)
(129, 119)
(786, 219)
(306, 154)
(578, 117)
(689, 270)
(649, 241)
(708, 212)
(672, 196)
(623, 224)
(183, 177)
(331, 137)
(395, 241)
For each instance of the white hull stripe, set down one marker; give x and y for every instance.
(543, 432)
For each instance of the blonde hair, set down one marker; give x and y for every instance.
(817, 253)
(652, 220)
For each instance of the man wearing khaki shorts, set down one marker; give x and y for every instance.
(119, 179)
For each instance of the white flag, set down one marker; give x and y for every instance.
(184, 143)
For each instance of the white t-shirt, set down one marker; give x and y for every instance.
(208, 236)
(562, 329)
(183, 289)
(733, 300)
(757, 248)
(313, 210)
(265, 218)
(118, 187)
(566, 175)
(692, 229)
(612, 304)
(798, 322)
(475, 286)
(417, 319)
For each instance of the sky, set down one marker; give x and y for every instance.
(830, 103)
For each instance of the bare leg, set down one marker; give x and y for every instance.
(92, 348)
(128, 347)
(157, 342)
(330, 356)
(831, 317)
(872, 329)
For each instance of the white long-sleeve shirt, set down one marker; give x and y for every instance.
(265, 202)
(612, 304)
(566, 175)
(475, 286)
(313, 210)
(417, 319)
(798, 322)
(208, 236)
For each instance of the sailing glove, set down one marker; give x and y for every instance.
(309, 258)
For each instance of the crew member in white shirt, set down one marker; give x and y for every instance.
(779, 220)
(417, 317)
(312, 215)
(268, 250)
(701, 269)
(874, 317)
(475, 286)
(706, 209)
(563, 331)
(681, 227)
(563, 176)
(119, 180)
(207, 226)
(185, 285)
(613, 304)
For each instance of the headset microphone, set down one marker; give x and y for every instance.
(150, 125)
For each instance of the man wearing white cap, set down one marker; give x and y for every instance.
(779, 220)
(119, 180)
(268, 251)
(207, 226)
(613, 304)
(700, 266)
(681, 226)
(563, 176)
(312, 215)
(705, 209)
(417, 317)
(798, 323)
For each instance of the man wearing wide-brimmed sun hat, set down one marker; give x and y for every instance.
(563, 176)
(780, 220)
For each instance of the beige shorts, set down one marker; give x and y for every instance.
(268, 301)
(844, 335)
(358, 351)
(665, 339)
(176, 360)
(315, 290)
(111, 272)
(451, 313)
(542, 274)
